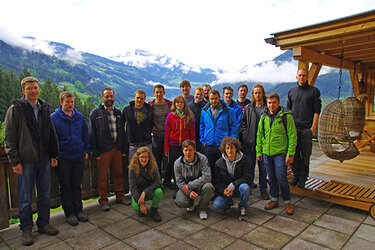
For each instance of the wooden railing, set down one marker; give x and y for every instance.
(9, 195)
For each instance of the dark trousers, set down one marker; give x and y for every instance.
(158, 151)
(70, 173)
(301, 162)
(213, 154)
(174, 153)
(251, 155)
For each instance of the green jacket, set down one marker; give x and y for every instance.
(275, 139)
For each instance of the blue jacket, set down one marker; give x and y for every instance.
(237, 110)
(72, 133)
(212, 132)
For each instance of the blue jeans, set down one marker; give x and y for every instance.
(38, 173)
(251, 154)
(222, 202)
(277, 174)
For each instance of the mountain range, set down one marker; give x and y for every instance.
(88, 74)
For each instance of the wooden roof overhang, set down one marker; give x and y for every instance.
(352, 38)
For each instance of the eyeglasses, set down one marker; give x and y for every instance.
(144, 157)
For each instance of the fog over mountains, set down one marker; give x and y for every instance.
(88, 74)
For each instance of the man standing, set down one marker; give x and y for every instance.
(248, 133)
(242, 93)
(162, 107)
(185, 87)
(196, 108)
(31, 145)
(228, 99)
(139, 120)
(276, 143)
(74, 146)
(217, 121)
(305, 103)
(108, 142)
(206, 89)
(193, 179)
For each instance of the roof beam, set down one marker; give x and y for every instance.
(314, 72)
(302, 53)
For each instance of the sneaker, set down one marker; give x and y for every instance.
(265, 196)
(228, 208)
(48, 229)
(191, 209)
(27, 237)
(243, 214)
(104, 207)
(72, 220)
(155, 215)
(293, 181)
(289, 209)
(82, 217)
(140, 214)
(271, 205)
(203, 215)
(301, 183)
(124, 201)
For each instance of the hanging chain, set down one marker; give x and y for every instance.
(340, 71)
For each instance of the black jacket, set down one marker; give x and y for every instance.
(138, 133)
(242, 174)
(196, 108)
(26, 139)
(304, 101)
(249, 126)
(143, 182)
(100, 134)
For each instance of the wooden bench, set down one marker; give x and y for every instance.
(337, 192)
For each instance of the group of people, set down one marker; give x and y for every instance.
(212, 146)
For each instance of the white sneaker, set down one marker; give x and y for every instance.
(203, 215)
(243, 214)
(190, 209)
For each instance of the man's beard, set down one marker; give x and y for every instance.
(108, 103)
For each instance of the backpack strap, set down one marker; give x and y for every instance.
(284, 119)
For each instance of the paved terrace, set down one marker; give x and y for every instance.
(314, 225)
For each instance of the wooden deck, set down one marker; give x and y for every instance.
(351, 183)
(357, 171)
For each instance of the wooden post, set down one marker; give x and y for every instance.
(4, 198)
(303, 64)
(314, 72)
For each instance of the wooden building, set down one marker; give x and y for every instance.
(347, 43)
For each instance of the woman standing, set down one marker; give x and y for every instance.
(179, 126)
(145, 183)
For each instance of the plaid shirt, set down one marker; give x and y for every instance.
(112, 125)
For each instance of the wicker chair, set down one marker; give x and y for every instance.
(339, 125)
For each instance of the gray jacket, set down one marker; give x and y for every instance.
(249, 126)
(193, 174)
(143, 182)
(24, 138)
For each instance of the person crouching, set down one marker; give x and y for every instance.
(145, 183)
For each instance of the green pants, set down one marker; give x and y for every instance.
(156, 197)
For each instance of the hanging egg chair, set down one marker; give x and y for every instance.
(333, 135)
(340, 124)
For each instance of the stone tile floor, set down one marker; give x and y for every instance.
(314, 225)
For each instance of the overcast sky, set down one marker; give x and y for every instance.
(214, 33)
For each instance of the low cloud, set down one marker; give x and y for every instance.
(34, 44)
(152, 83)
(268, 71)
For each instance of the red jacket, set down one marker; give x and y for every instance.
(177, 131)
